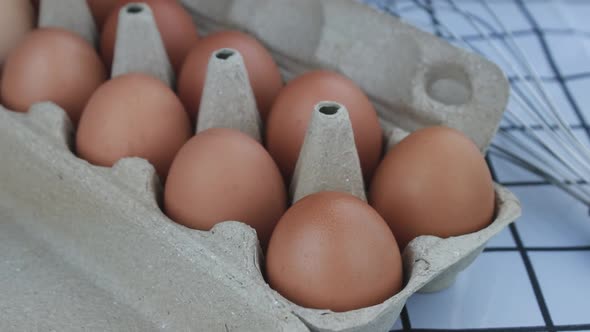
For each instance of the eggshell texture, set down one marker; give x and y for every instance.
(222, 174)
(288, 121)
(176, 26)
(263, 72)
(100, 10)
(133, 115)
(17, 18)
(333, 251)
(434, 182)
(52, 64)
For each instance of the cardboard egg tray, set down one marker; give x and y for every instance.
(84, 247)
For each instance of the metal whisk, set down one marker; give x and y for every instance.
(544, 144)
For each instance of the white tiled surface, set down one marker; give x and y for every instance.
(496, 291)
(545, 11)
(510, 173)
(493, 292)
(517, 20)
(570, 54)
(552, 219)
(565, 280)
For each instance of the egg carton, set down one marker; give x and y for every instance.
(87, 248)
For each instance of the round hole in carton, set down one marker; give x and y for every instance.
(448, 84)
(224, 54)
(328, 108)
(134, 8)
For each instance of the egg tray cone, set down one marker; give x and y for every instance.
(83, 246)
(139, 46)
(413, 78)
(73, 15)
(328, 160)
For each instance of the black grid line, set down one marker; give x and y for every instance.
(533, 279)
(565, 78)
(433, 18)
(541, 249)
(528, 266)
(537, 183)
(405, 317)
(576, 76)
(578, 327)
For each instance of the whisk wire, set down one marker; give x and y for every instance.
(570, 154)
(536, 78)
(567, 187)
(519, 96)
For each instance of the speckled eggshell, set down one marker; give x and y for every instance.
(434, 182)
(222, 174)
(52, 64)
(176, 26)
(133, 115)
(333, 251)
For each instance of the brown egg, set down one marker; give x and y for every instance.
(291, 113)
(263, 72)
(333, 251)
(434, 182)
(222, 174)
(133, 115)
(55, 65)
(100, 10)
(17, 19)
(175, 24)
